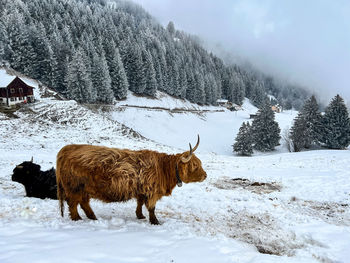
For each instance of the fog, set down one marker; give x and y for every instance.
(307, 42)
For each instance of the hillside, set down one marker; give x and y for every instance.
(283, 207)
(95, 51)
(171, 121)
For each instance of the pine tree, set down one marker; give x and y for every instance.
(119, 81)
(258, 95)
(79, 85)
(59, 63)
(190, 90)
(183, 84)
(312, 118)
(159, 60)
(238, 91)
(199, 92)
(100, 78)
(3, 40)
(244, 143)
(41, 67)
(210, 89)
(150, 75)
(307, 126)
(19, 40)
(172, 73)
(171, 28)
(227, 84)
(336, 125)
(265, 130)
(297, 133)
(135, 69)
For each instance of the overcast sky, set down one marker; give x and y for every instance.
(306, 41)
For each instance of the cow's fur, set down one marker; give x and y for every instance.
(37, 183)
(115, 175)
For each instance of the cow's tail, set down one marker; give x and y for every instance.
(61, 196)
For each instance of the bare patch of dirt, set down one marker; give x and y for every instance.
(261, 230)
(227, 183)
(10, 112)
(330, 212)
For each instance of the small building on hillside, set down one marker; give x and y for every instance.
(14, 90)
(228, 105)
(276, 108)
(223, 102)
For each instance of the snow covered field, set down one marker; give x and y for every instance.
(183, 121)
(279, 207)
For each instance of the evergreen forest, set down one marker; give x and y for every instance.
(94, 51)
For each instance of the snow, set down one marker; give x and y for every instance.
(217, 126)
(292, 207)
(5, 78)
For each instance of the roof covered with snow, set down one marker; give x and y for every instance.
(5, 79)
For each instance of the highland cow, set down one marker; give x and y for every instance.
(116, 175)
(37, 183)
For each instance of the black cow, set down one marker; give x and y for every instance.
(36, 182)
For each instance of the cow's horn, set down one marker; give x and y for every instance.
(195, 147)
(31, 159)
(188, 158)
(19, 166)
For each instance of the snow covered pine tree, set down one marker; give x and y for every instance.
(265, 130)
(244, 143)
(336, 125)
(307, 126)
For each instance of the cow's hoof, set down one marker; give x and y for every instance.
(76, 218)
(141, 216)
(155, 222)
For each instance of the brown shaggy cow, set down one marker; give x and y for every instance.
(115, 175)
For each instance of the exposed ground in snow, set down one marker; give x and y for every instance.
(280, 207)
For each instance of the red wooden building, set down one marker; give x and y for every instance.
(17, 91)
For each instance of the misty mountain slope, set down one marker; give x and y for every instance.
(95, 51)
(284, 207)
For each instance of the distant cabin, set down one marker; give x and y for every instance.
(14, 91)
(228, 105)
(276, 108)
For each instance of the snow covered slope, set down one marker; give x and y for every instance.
(282, 207)
(172, 122)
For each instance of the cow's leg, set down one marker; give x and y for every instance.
(152, 217)
(85, 205)
(151, 206)
(73, 208)
(140, 202)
